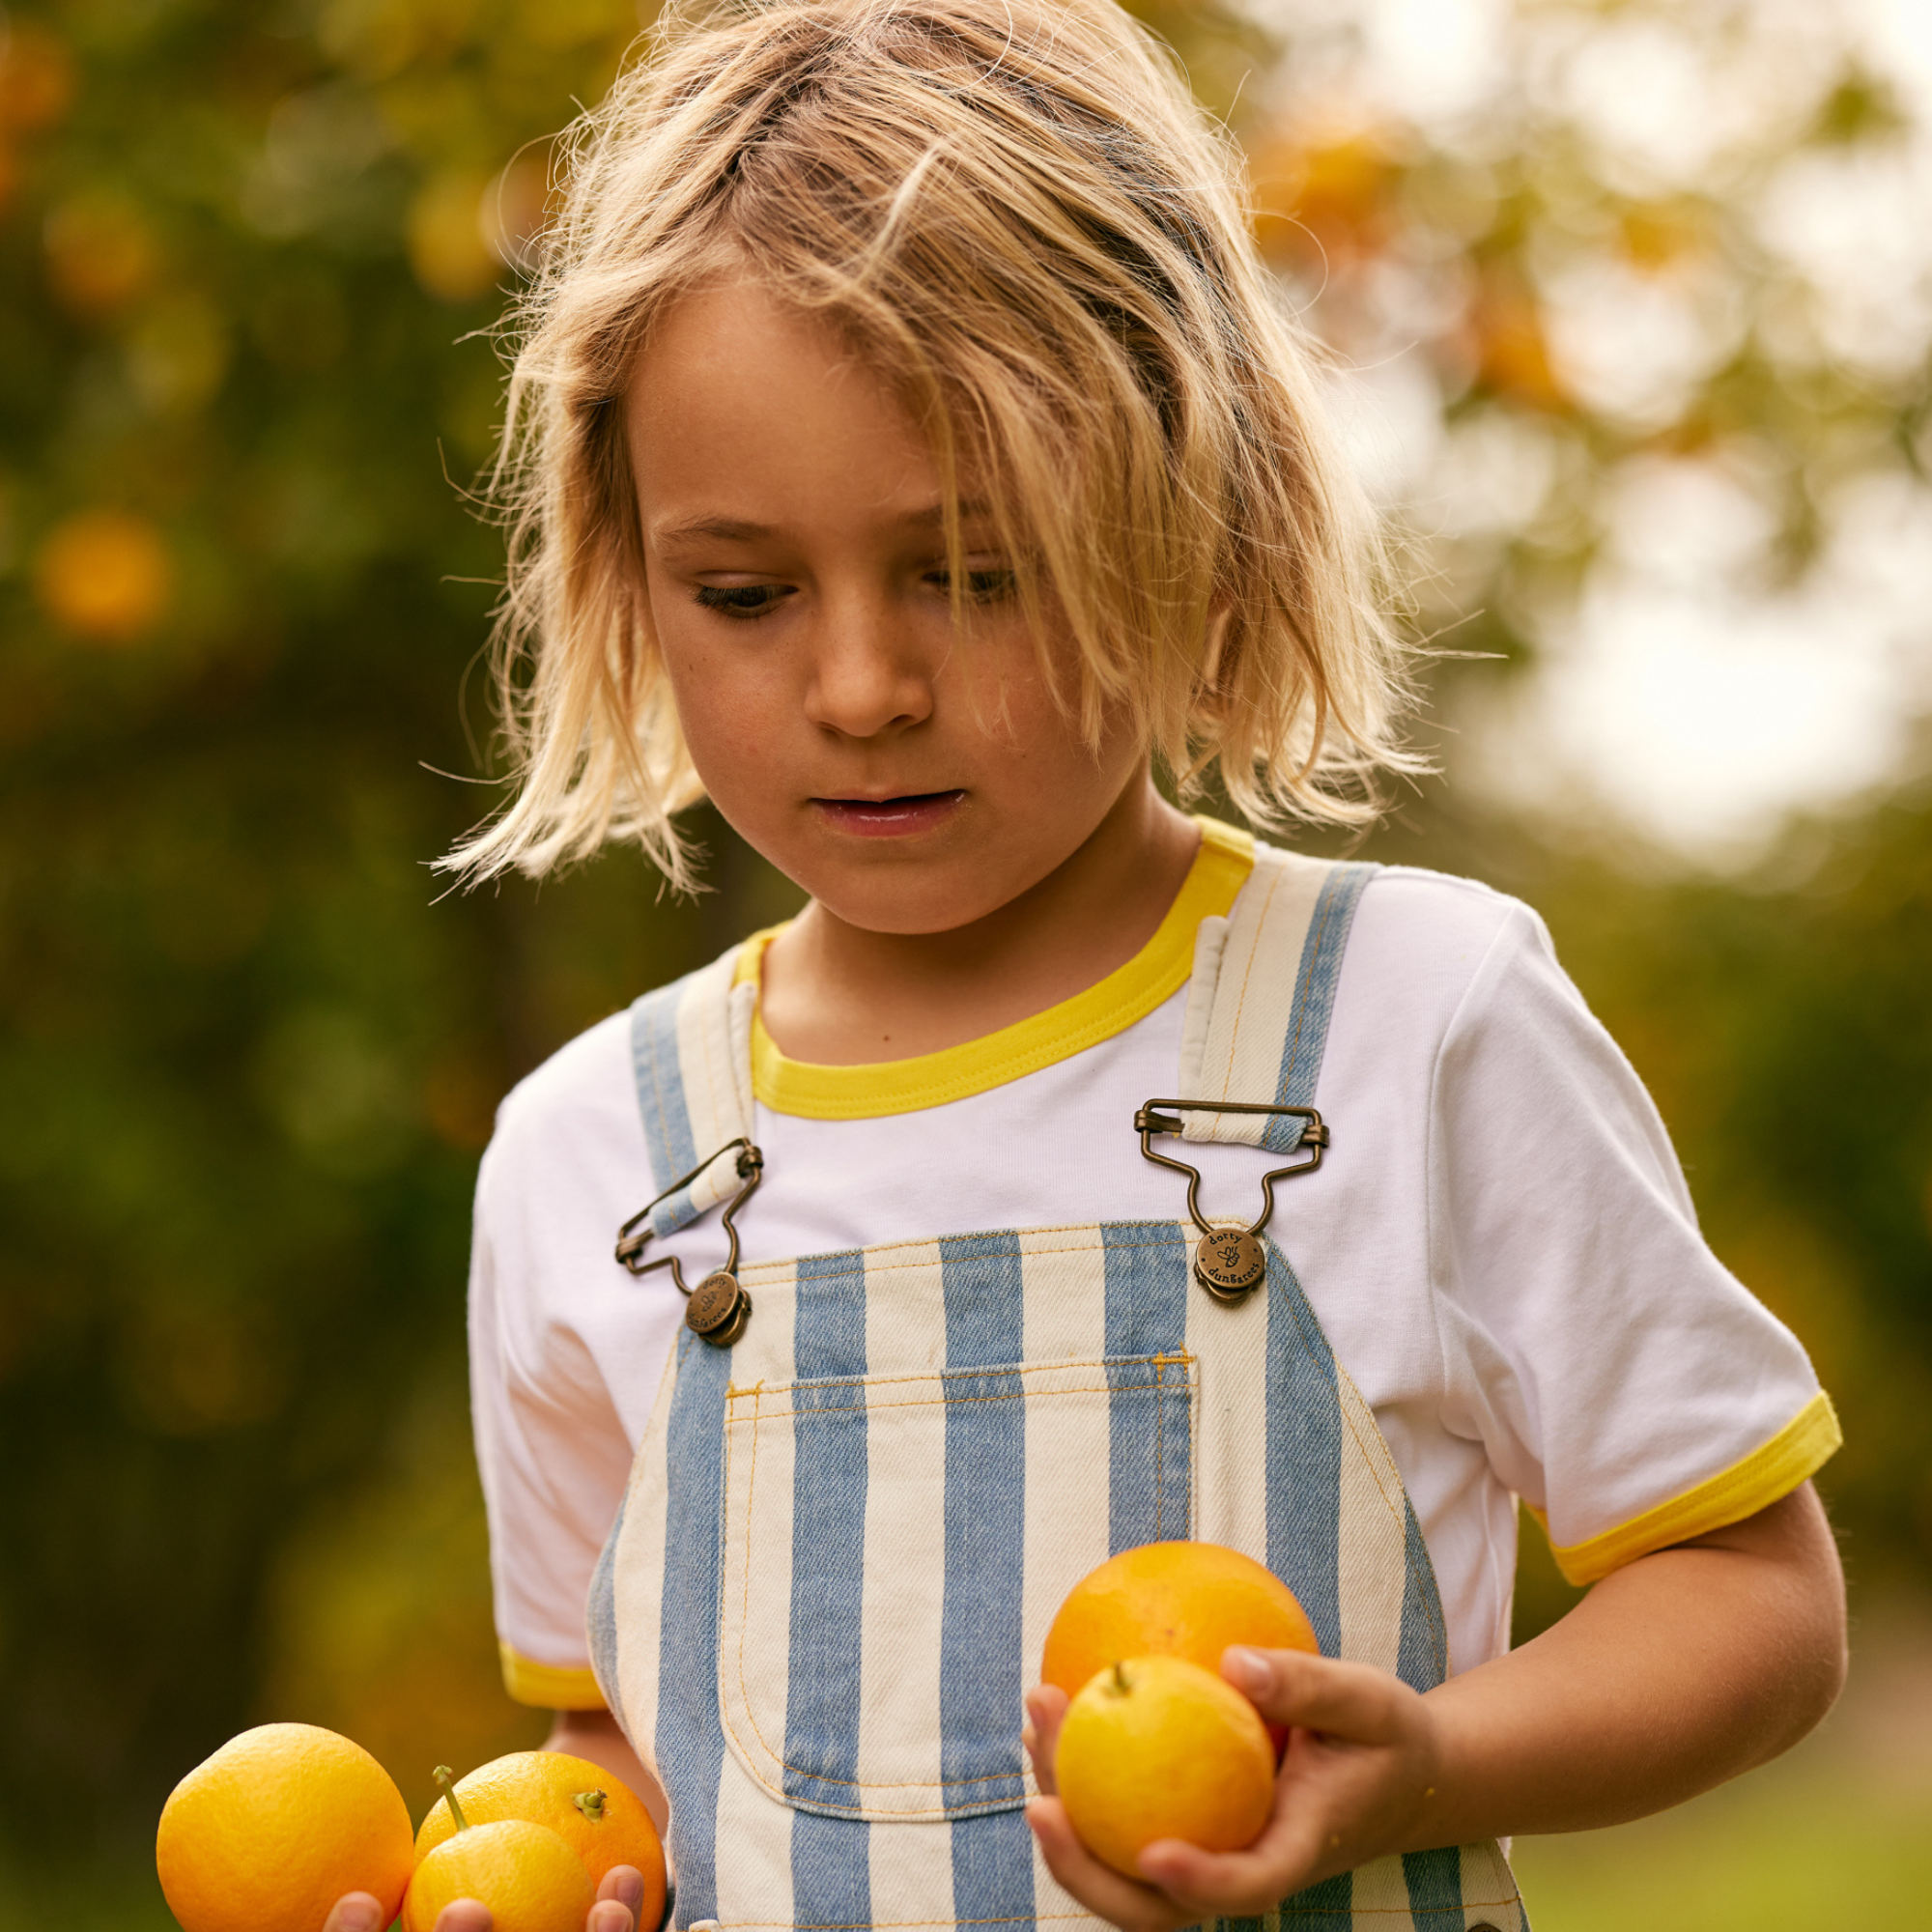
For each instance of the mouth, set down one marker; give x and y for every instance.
(890, 817)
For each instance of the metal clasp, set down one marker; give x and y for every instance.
(718, 1306)
(1229, 1262)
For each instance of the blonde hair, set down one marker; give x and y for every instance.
(1016, 212)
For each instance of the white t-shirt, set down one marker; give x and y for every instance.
(1500, 1248)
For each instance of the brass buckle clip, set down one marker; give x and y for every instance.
(1229, 1262)
(718, 1308)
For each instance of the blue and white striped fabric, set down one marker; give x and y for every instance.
(691, 1045)
(843, 1540)
(1254, 1032)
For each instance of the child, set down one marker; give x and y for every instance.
(908, 452)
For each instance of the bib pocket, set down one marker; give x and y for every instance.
(891, 1551)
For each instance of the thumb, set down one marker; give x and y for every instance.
(1290, 1686)
(463, 1915)
(1046, 1708)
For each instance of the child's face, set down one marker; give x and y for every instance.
(789, 512)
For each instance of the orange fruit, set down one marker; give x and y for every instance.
(598, 1816)
(525, 1874)
(275, 1827)
(1188, 1600)
(1157, 1748)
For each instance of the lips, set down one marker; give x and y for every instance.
(895, 817)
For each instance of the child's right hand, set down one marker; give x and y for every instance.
(1354, 1783)
(616, 1911)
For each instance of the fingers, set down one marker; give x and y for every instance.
(1046, 1708)
(619, 1898)
(1230, 1885)
(1346, 1700)
(1287, 1855)
(1136, 1908)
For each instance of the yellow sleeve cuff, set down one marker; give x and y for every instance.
(549, 1686)
(1798, 1451)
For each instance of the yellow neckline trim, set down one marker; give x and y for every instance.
(1755, 1481)
(1130, 992)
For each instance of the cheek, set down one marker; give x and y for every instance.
(732, 712)
(993, 691)
(1040, 742)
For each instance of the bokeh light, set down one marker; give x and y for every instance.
(104, 574)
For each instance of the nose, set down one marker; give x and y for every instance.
(868, 673)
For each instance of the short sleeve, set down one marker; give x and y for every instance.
(1625, 1384)
(546, 1483)
(549, 1310)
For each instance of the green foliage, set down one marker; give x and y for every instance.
(250, 1053)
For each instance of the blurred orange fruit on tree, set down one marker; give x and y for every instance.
(100, 252)
(598, 1816)
(36, 77)
(105, 575)
(275, 1827)
(1511, 349)
(1157, 1748)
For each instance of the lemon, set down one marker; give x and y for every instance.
(1157, 1748)
(598, 1816)
(525, 1874)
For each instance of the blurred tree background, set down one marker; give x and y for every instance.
(1599, 329)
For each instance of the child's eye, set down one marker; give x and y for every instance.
(743, 600)
(982, 587)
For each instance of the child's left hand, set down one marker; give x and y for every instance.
(1358, 1773)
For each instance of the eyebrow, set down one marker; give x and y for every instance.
(726, 530)
(736, 530)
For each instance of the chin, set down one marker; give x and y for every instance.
(905, 907)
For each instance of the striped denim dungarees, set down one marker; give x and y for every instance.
(843, 1537)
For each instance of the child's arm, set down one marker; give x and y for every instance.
(1674, 1673)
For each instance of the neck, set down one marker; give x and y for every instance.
(841, 995)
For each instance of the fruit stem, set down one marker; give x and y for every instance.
(591, 1804)
(446, 1777)
(1120, 1674)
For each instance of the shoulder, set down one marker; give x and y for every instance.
(579, 1104)
(1464, 981)
(1430, 939)
(1469, 978)
(1408, 904)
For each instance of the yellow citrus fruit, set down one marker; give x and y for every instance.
(525, 1874)
(275, 1827)
(1188, 1600)
(1157, 1748)
(598, 1816)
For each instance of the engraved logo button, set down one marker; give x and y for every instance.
(718, 1310)
(1230, 1262)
